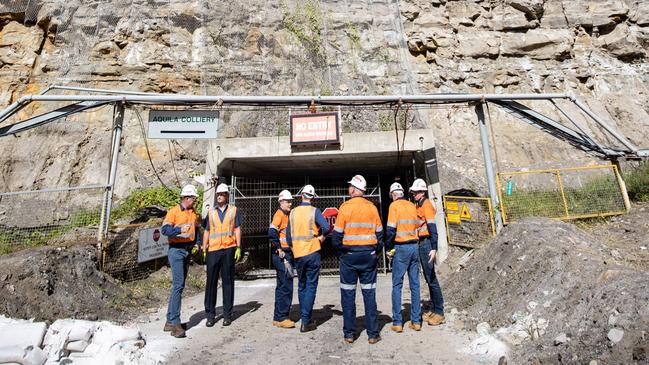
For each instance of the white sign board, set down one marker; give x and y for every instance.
(178, 124)
(152, 245)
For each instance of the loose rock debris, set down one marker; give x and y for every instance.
(554, 294)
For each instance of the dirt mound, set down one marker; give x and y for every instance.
(53, 282)
(562, 293)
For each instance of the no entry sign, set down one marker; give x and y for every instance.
(330, 215)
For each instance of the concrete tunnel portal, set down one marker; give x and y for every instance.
(257, 169)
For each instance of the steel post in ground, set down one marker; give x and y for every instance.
(104, 222)
(491, 176)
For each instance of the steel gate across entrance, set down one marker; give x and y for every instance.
(257, 202)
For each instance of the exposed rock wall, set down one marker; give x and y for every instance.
(594, 49)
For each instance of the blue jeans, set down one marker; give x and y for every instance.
(179, 262)
(436, 304)
(405, 260)
(284, 288)
(308, 269)
(358, 266)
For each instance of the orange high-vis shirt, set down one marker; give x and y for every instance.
(304, 231)
(279, 222)
(186, 220)
(221, 234)
(359, 221)
(403, 217)
(426, 214)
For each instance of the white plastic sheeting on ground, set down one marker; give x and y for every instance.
(71, 341)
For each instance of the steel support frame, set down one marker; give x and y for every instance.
(104, 221)
(489, 168)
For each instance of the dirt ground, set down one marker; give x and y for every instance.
(626, 235)
(251, 339)
(557, 295)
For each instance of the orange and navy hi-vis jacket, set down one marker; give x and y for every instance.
(426, 214)
(277, 230)
(304, 231)
(402, 223)
(358, 226)
(221, 234)
(180, 225)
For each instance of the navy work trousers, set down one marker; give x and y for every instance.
(284, 288)
(358, 266)
(220, 263)
(308, 269)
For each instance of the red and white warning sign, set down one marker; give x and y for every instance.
(330, 215)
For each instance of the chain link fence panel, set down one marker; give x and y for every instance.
(257, 202)
(570, 193)
(62, 217)
(469, 221)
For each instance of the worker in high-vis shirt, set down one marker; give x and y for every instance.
(403, 243)
(282, 258)
(222, 242)
(182, 228)
(305, 233)
(358, 238)
(434, 312)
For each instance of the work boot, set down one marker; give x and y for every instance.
(168, 326)
(426, 316)
(287, 323)
(414, 326)
(436, 320)
(374, 340)
(307, 327)
(349, 339)
(178, 331)
(210, 322)
(227, 322)
(397, 329)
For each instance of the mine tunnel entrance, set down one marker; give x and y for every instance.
(256, 182)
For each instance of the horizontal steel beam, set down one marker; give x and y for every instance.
(174, 99)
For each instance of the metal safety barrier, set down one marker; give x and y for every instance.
(569, 193)
(469, 220)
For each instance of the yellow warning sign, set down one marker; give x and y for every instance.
(465, 214)
(452, 206)
(453, 218)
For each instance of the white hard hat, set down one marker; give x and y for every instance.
(308, 190)
(222, 188)
(189, 190)
(285, 195)
(419, 185)
(359, 182)
(396, 186)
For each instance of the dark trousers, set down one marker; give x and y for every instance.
(308, 269)
(220, 263)
(436, 299)
(284, 288)
(358, 266)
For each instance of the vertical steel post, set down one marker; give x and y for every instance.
(491, 177)
(104, 222)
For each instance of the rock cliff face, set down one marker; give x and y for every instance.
(594, 49)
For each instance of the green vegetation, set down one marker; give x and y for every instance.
(354, 36)
(637, 182)
(305, 23)
(15, 239)
(142, 198)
